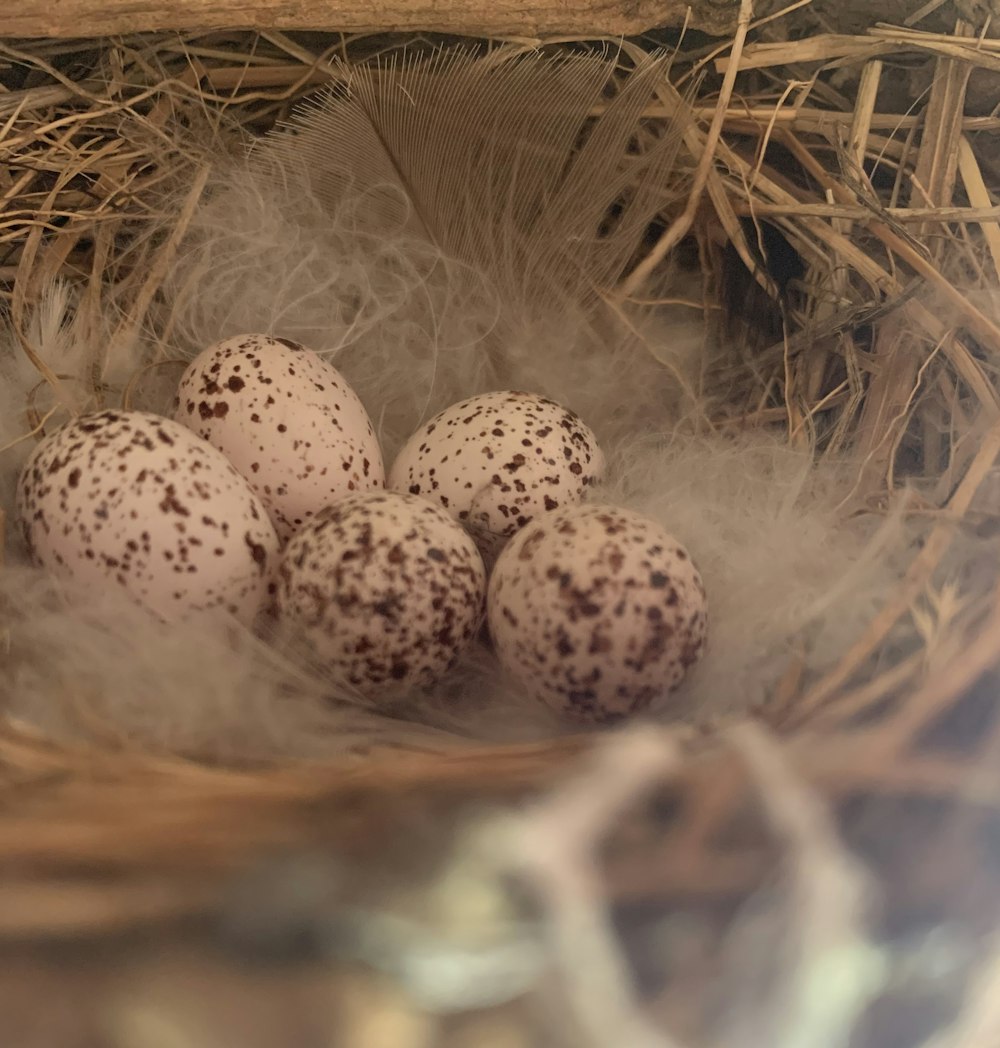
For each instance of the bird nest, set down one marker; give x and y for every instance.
(819, 870)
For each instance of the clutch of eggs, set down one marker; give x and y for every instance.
(136, 500)
(596, 611)
(384, 589)
(286, 419)
(497, 461)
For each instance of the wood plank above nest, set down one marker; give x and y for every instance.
(75, 18)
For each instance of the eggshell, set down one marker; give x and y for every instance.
(287, 420)
(597, 611)
(132, 499)
(385, 589)
(499, 460)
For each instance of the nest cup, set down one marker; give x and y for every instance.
(832, 224)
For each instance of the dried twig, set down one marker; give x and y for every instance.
(978, 1023)
(557, 847)
(680, 226)
(832, 969)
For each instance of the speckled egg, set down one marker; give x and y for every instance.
(287, 420)
(136, 500)
(597, 611)
(499, 460)
(385, 589)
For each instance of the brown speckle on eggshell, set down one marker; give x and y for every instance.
(384, 589)
(286, 419)
(499, 460)
(131, 499)
(597, 611)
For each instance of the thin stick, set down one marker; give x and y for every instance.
(922, 12)
(937, 160)
(713, 54)
(680, 226)
(165, 257)
(557, 847)
(828, 944)
(820, 48)
(916, 578)
(861, 125)
(974, 318)
(985, 215)
(968, 367)
(975, 186)
(810, 118)
(980, 655)
(978, 1024)
(861, 698)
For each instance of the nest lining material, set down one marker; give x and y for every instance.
(873, 431)
(768, 465)
(421, 300)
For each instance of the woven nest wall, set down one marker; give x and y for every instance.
(820, 870)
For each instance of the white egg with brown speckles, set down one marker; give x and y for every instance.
(385, 590)
(131, 499)
(597, 611)
(499, 460)
(287, 420)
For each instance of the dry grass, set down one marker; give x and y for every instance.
(888, 350)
